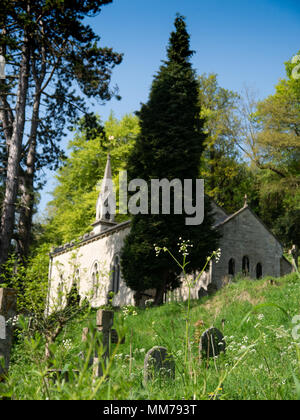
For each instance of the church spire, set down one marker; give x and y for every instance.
(106, 205)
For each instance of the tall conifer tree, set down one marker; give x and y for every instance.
(169, 146)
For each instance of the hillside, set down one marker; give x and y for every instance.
(262, 360)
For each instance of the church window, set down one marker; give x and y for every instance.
(77, 278)
(246, 265)
(95, 279)
(60, 290)
(116, 275)
(259, 271)
(231, 267)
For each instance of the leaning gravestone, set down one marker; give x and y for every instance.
(211, 343)
(202, 293)
(8, 300)
(158, 363)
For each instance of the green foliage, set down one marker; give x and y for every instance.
(279, 152)
(169, 146)
(56, 64)
(227, 177)
(30, 280)
(72, 209)
(261, 360)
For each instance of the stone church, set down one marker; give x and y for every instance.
(92, 264)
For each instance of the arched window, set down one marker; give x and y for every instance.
(231, 267)
(95, 279)
(77, 278)
(246, 265)
(60, 290)
(259, 271)
(116, 275)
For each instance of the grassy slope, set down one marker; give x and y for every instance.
(260, 362)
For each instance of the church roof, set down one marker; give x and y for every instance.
(246, 207)
(90, 237)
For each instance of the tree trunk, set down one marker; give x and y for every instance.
(27, 184)
(14, 153)
(159, 296)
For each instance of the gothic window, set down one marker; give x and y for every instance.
(60, 290)
(95, 279)
(116, 274)
(246, 265)
(259, 271)
(77, 278)
(231, 267)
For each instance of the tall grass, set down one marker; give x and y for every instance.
(261, 360)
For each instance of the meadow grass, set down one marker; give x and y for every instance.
(261, 359)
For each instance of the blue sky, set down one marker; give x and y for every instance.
(245, 42)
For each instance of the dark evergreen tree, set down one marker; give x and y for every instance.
(169, 146)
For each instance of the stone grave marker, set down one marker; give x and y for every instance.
(158, 363)
(211, 289)
(202, 293)
(104, 321)
(2, 328)
(211, 343)
(8, 302)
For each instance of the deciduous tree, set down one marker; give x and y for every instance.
(54, 62)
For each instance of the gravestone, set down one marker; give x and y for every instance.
(211, 343)
(104, 321)
(202, 293)
(212, 289)
(2, 328)
(158, 363)
(8, 300)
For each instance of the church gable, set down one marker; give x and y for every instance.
(248, 248)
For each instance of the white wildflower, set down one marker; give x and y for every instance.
(217, 255)
(67, 344)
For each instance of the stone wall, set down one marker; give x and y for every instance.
(244, 235)
(76, 265)
(285, 266)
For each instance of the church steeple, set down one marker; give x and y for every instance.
(106, 205)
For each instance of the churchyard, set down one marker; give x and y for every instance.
(133, 353)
